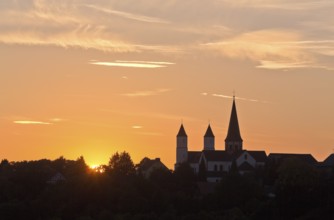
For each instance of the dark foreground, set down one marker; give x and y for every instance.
(69, 190)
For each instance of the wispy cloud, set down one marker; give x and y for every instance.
(57, 119)
(146, 93)
(28, 121)
(53, 12)
(276, 49)
(238, 98)
(132, 64)
(281, 4)
(97, 25)
(127, 15)
(269, 64)
(75, 39)
(32, 123)
(69, 25)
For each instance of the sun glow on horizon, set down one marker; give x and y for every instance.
(96, 168)
(93, 166)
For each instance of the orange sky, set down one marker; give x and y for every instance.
(78, 78)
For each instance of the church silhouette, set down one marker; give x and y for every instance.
(215, 163)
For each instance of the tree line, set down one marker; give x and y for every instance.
(288, 190)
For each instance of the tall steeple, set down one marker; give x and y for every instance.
(181, 146)
(182, 132)
(209, 139)
(233, 141)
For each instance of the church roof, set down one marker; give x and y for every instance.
(307, 158)
(219, 155)
(245, 166)
(259, 156)
(233, 133)
(329, 161)
(209, 132)
(194, 156)
(182, 132)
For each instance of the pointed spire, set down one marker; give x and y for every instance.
(209, 132)
(182, 132)
(209, 139)
(233, 133)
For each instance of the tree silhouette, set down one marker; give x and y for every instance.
(122, 193)
(296, 187)
(121, 164)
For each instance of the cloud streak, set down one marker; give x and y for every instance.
(238, 98)
(281, 4)
(32, 123)
(130, 16)
(67, 40)
(133, 64)
(146, 93)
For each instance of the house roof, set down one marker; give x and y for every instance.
(194, 156)
(182, 132)
(147, 163)
(259, 156)
(233, 133)
(307, 158)
(209, 132)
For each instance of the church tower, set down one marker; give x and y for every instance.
(181, 146)
(209, 139)
(233, 141)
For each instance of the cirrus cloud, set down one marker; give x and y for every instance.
(275, 49)
(32, 123)
(132, 64)
(146, 93)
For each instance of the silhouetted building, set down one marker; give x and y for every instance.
(147, 166)
(280, 157)
(212, 163)
(329, 161)
(233, 141)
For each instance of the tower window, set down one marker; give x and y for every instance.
(246, 156)
(220, 167)
(215, 167)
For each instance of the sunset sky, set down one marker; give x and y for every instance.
(83, 77)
